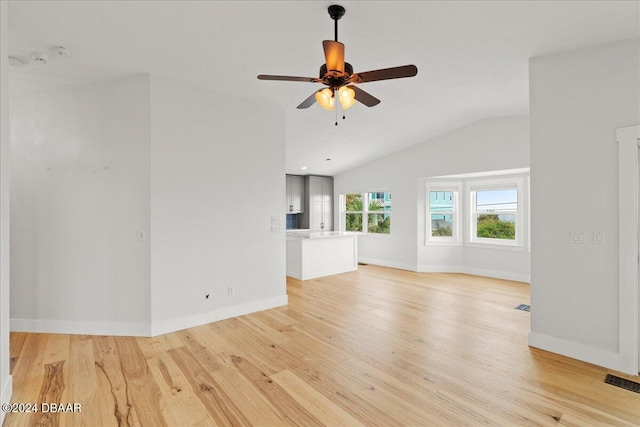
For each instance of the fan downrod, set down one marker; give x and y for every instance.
(336, 12)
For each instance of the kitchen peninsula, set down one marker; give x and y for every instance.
(317, 254)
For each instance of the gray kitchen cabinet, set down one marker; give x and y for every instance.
(295, 194)
(318, 203)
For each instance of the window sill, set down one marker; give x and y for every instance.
(442, 243)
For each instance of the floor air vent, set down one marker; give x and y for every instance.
(622, 383)
(523, 307)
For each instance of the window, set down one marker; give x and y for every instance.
(375, 208)
(442, 223)
(353, 212)
(495, 214)
(479, 210)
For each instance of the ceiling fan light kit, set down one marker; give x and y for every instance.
(347, 97)
(339, 77)
(325, 99)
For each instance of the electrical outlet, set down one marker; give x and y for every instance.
(230, 290)
(573, 237)
(598, 237)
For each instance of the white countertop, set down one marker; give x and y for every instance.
(306, 234)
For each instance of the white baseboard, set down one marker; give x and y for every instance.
(384, 263)
(422, 268)
(143, 329)
(322, 274)
(7, 391)
(132, 329)
(294, 274)
(495, 274)
(439, 269)
(177, 324)
(575, 350)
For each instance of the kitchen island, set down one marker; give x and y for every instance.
(317, 254)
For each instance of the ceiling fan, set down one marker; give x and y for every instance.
(339, 77)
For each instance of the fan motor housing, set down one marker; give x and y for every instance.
(334, 78)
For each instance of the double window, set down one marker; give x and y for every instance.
(367, 212)
(492, 211)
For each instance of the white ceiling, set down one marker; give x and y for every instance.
(472, 58)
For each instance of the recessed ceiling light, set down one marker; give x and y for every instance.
(39, 58)
(62, 51)
(15, 62)
(303, 168)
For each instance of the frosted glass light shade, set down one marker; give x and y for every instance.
(325, 99)
(347, 97)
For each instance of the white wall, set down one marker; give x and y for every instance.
(132, 198)
(486, 145)
(217, 177)
(5, 161)
(578, 100)
(80, 197)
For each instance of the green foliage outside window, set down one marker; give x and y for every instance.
(492, 227)
(442, 231)
(354, 202)
(376, 223)
(441, 225)
(353, 222)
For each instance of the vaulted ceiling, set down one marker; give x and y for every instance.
(472, 58)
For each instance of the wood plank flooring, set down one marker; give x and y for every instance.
(376, 347)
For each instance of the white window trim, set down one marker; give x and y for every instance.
(456, 239)
(344, 212)
(496, 184)
(365, 212)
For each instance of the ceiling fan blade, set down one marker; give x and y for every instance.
(308, 102)
(334, 55)
(289, 78)
(365, 97)
(385, 74)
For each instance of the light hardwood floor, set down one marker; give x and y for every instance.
(377, 347)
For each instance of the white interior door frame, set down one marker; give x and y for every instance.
(629, 258)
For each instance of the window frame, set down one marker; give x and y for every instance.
(365, 212)
(456, 214)
(496, 184)
(344, 212)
